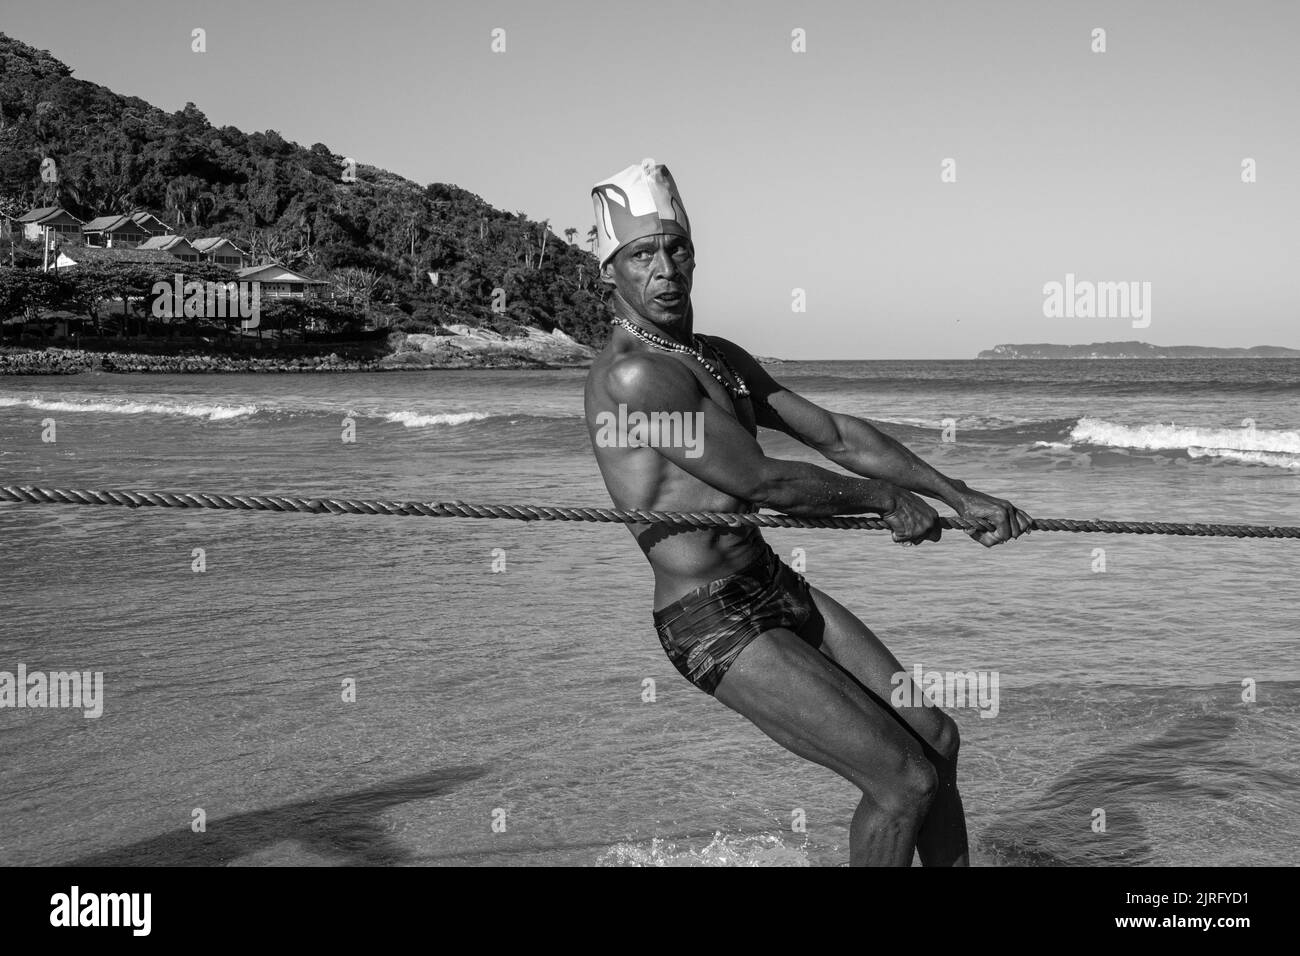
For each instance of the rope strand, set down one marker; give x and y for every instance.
(695, 519)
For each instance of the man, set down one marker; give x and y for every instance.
(733, 618)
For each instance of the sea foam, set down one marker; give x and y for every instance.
(214, 413)
(1171, 437)
(418, 420)
(722, 850)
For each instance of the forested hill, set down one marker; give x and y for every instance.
(279, 200)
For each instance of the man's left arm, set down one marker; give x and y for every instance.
(863, 449)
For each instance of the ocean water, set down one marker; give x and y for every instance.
(516, 698)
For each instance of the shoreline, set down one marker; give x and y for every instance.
(52, 361)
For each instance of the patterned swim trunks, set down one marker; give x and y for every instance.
(704, 631)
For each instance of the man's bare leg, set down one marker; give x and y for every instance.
(942, 839)
(804, 702)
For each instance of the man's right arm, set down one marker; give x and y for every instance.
(731, 460)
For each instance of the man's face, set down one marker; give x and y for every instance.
(653, 275)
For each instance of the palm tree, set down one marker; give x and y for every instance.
(179, 196)
(202, 206)
(356, 284)
(569, 234)
(546, 224)
(591, 238)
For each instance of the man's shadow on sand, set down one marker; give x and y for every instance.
(344, 829)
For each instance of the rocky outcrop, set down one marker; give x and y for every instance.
(468, 347)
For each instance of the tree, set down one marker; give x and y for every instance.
(133, 281)
(541, 240)
(288, 312)
(13, 294)
(88, 286)
(569, 234)
(356, 285)
(29, 293)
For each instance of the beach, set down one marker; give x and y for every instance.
(518, 696)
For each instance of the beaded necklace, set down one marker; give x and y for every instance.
(739, 390)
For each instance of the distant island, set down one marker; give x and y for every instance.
(1132, 350)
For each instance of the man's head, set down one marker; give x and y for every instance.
(644, 241)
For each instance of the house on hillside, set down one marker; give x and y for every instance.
(178, 246)
(110, 232)
(62, 224)
(150, 223)
(72, 255)
(277, 282)
(221, 251)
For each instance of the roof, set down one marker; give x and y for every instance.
(46, 212)
(274, 272)
(94, 254)
(142, 215)
(105, 223)
(37, 214)
(211, 242)
(163, 242)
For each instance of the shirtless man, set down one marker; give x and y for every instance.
(733, 618)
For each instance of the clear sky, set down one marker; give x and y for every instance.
(817, 170)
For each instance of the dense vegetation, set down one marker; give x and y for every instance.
(94, 296)
(377, 237)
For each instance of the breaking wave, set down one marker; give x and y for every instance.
(213, 413)
(420, 420)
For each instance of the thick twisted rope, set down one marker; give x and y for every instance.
(693, 519)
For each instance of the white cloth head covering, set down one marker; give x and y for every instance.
(642, 200)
